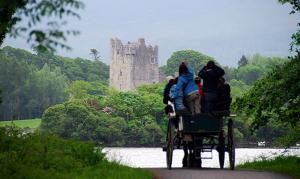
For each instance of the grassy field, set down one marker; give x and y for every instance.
(31, 123)
(286, 165)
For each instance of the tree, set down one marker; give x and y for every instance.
(249, 74)
(95, 53)
(275, 97)
(196, 59)
(296, 36)
(242, 62)
(36, 13)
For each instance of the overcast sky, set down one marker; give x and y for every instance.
(223, 29)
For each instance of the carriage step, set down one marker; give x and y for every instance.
(203, 149)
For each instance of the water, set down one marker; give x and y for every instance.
(155, 157)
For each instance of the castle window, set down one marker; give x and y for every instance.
(152, 60)
(120, 73)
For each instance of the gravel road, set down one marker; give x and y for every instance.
(210, 173)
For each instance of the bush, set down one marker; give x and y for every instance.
(40, 155)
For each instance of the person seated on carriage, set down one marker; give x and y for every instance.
(177, 97)
(224, 98)
(167, 88)
(211, 73)
(188, 88)
(200, 89)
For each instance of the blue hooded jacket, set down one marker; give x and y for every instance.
(178, 99)
(186, 83)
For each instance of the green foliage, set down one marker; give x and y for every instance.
(28, 91)
(37, 13)
(275, 96)
(39, 155)
(196, 59)
(296, 36)
(30, 123)
(79, 121)
(23, 153)
(289, 165)
(135, 118)
(249, 73)
(31, 83)
(74, 69)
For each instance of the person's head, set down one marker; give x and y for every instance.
(197, 80)
(183, 69)
(210, 64)
(171, 81)
(175, 80)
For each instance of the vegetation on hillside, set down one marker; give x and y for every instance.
(31, 83)
(275, 98)
(38, 155)
(44, 80)
(112, 118)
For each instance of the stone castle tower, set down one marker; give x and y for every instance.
(132, 64)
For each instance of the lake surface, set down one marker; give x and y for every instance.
(155, 157)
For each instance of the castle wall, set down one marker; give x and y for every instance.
(133, 64)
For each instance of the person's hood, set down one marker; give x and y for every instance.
(190, 75)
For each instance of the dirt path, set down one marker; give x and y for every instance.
(209, 173)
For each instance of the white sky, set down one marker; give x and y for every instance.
(223, 29)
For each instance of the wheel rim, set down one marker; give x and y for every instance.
(221, 150)
(231, 144)
(170, 136)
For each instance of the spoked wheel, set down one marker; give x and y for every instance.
(231, 147)
(170, 144)
(221, 149)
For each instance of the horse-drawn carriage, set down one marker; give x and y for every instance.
(200, 133)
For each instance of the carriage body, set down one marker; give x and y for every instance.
(204, 132)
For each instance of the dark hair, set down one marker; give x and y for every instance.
(175, 80)
(210, 64)
(197, 80)
(171, 82)
(182, 69)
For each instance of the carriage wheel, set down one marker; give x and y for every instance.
(221, 149)
(170, 144)
(231, 147)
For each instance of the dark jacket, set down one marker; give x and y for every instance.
(211, 78)
(224, 98)
(167, 92)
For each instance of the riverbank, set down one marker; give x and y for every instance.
(36, 155)
(288, 165)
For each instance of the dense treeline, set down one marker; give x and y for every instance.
(31, 83)
(109, 117)
(88, 110)
(275, 99)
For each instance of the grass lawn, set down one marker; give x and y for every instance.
(289, 165)
(31, 123)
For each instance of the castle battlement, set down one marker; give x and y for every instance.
(133, 64)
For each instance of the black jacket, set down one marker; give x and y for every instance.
(211, 78)
(224, 98)
(167, 92)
